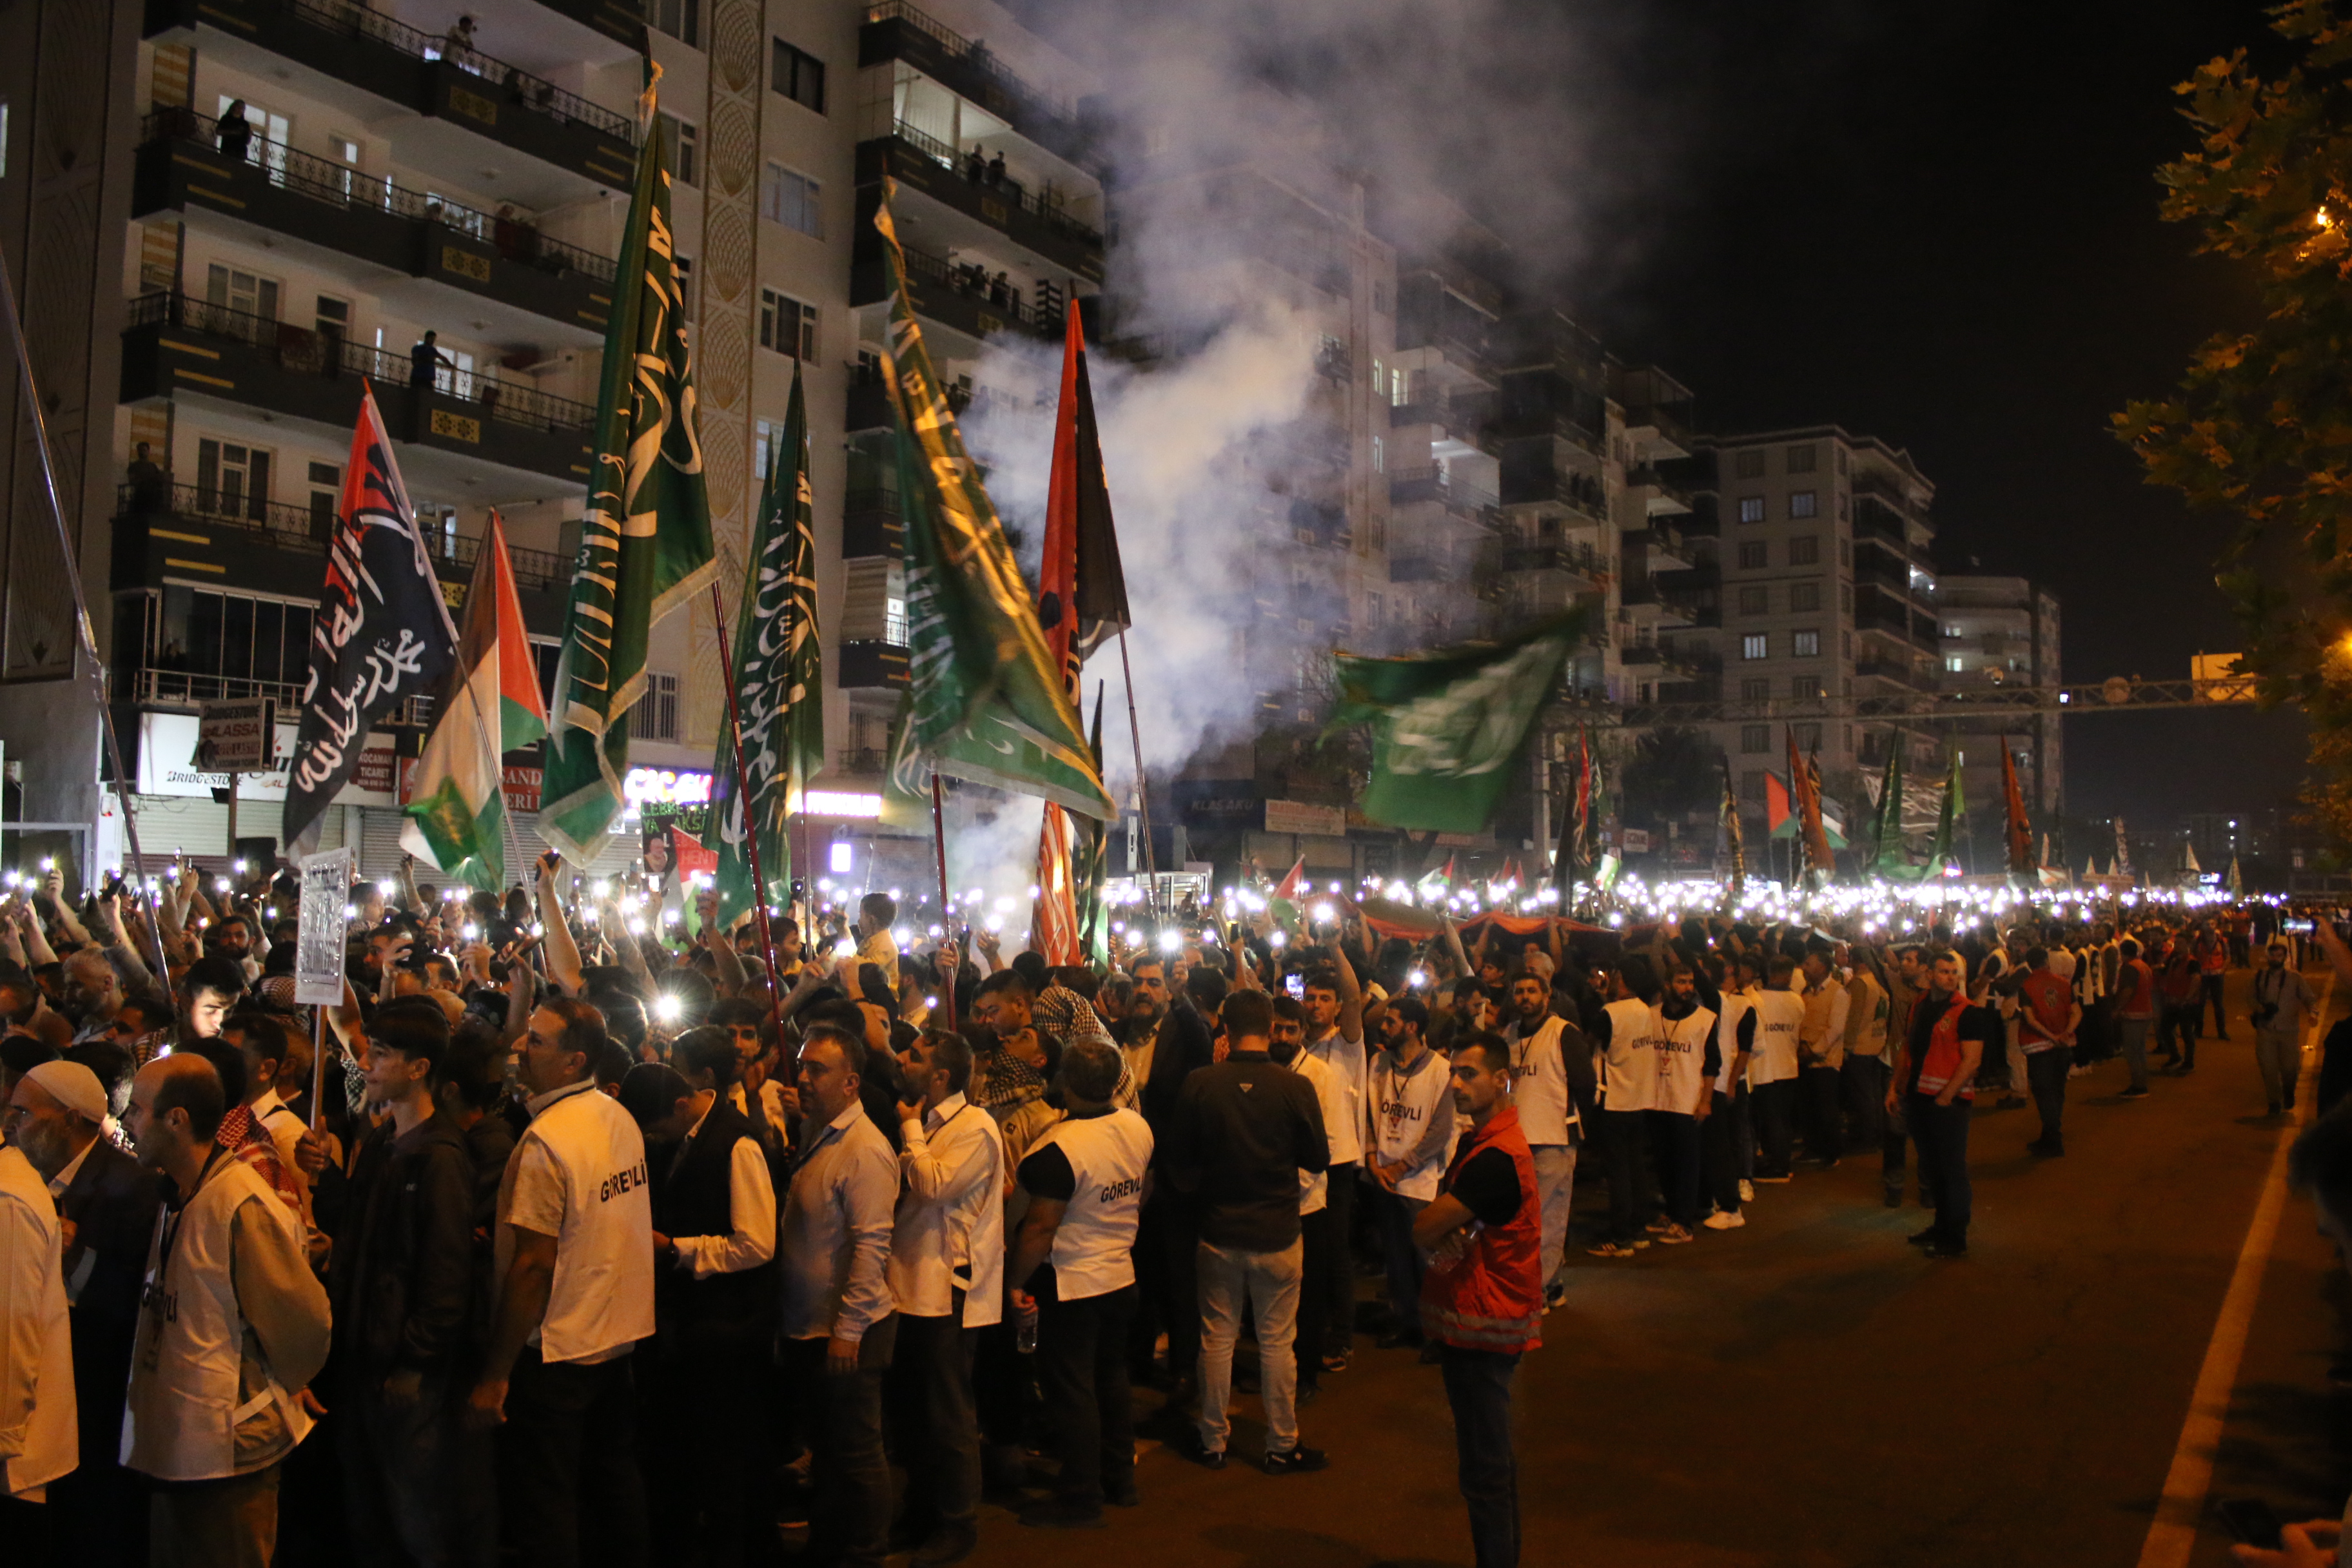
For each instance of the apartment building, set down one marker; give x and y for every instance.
(209, 295)
(1826, 595)
(1995, 631)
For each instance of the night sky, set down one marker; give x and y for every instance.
(1938, 224)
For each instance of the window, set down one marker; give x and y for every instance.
(763, 434)
(681, 19)
(1755, 739)
(1801, 458)
(894, 622)
(331, 317)
(1805, 596)
(231, 644)
(1845, 597)
(793, 200)
(347, 153)
(1749, 465)
(231, 289)
(799, 76)
(1955, 664)
(1380, 456)
(682, 268)
(232, 480)
(1373, 609)
(655, 717)
(1808, 737)
(326, 492)
(1751, 509)
(1805, 686)
(786, 325)
(682, 146)
(1380, 380)
(1808, 645)
(1804, 503)
(1840, 459)
(1845, 552)
(1804, 551)
(270, 133)
(1756, 601)
(1755, 688)
(1754, 555)
(1755, 645)
(4, 138)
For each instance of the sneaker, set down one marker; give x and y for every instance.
(1659, 1227)
(1336, 1361)
(1774, 1181)
(1722, 1219)
(1949, 1249)
(1057, 1514)
(1746, 1191)
(1299, 1461)
(2078, 1072)
(1924, 1238)
(1609, 1250)
(1673, 1236)
(2135, 1092)
(1206, 1457)
(1555, 1293)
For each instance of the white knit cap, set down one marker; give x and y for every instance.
(73, 1086)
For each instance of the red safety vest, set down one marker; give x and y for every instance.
(1943, 1056)
(2049, 1003)
(1491, 1297)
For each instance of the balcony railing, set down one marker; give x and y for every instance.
(967, 65)
(1581, 559)
(1430, 482)
(995, 294)
(187, 688)
(1044, 206)
(542, 569)
(516, 237)
(306, 353)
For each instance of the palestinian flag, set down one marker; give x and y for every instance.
(457, 810)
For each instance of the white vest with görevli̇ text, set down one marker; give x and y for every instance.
(1778, 1016)
(601, 1300)
(1094, 1247)
(1629, 1071)
(1681, 1049)
(1539, 1084)
(180, 1420)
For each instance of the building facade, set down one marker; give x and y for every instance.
(1992, 632)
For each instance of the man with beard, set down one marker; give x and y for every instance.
(1163, 1042)
(92, 994)
(1683, 1042)
(1934, 1077)
(1540, 1042)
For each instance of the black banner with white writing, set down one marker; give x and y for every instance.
(382, 634)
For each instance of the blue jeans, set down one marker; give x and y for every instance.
(1405, 1261)
(1478, 1387)
(1942, 1134)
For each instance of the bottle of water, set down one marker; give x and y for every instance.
(1024, 1332)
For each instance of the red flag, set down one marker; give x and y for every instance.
(2020, 834)
(687, 855)
(1293, 887)
(1776, 803)
(519, 708)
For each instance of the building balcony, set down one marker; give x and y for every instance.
(1572, 560)
(868, 664)
(1897, 672)
(1662, 543)
(1034, 220)
(1432, 483)
(622, 21)
(1457, 426)
(275, 547)
(174, 345)
(1532, 476)
(870, 524)
(869, 403)
(896, 32)
(963, 298)
(181, 169)
(358, 47)
(1422, 568)
(1659, 495)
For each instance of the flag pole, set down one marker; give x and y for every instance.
(1142, 794)
(955, 947)
(72, 562)
(743, 802)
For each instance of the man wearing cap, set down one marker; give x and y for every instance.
(36, 1386)
(106, 1209)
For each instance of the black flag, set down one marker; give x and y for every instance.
(382, 634)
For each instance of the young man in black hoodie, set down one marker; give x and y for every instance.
(402, 1285)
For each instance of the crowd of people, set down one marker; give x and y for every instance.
(592, 1240)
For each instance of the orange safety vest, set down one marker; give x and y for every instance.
(1943, 1054)
(2049, 1003)
(1490, 1297)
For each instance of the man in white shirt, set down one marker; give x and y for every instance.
(877, 945)
(840, 1323)
(1335, 1036)
(38, 1415)
(1286, 1044)
(946, 1279)
(574, 1258)
(1412, 1131)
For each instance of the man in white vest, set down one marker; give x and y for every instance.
(39, 1432)
(947, 1276)
(1084, 1181)
(1547, 1115)
(232, 1328)
(574, 1258)
(1412, 1142)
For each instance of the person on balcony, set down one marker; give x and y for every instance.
(235, 132)
(424, 365)
(975, 167)
(996, 168)
(151, 490)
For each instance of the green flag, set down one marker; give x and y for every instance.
(1955, 803)
(1447, 725)
(778, 683)
(644, 541)
(1089, 860)
(1888, 852)
(988, 701)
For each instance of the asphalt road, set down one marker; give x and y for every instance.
(1809, 1390)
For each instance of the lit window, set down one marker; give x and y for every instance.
(1751, 509)
(1807, 645)
(1755, 645)
(1804, 503)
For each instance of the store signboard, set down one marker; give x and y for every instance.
(167, 748)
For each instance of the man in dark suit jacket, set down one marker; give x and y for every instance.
(108, 1206)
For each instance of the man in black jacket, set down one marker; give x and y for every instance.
(402, 1283)
(108, 1206)
(715, 1299)
(1243, 1129)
